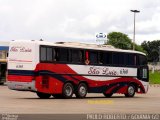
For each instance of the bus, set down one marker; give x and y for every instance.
(65, 68)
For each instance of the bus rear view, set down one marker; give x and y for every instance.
(21, 63)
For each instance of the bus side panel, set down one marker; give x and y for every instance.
(52, 77)
(122, 90)
(116, 85)
(48, 84)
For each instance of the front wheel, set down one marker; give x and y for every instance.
(130, 91)
(43, 95)
(81, 91)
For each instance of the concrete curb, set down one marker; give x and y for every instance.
(154, 85)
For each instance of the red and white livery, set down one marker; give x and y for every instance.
(64, 68)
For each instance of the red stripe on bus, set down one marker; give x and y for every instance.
(20, 78)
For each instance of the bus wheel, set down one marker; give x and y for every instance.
(130, 91)
(67, 90)
(43, 95)
(81, 91)
(108, 95)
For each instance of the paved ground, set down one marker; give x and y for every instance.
(28, 102)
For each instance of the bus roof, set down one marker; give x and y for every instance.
(81, 46)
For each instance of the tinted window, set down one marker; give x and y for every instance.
(124, 59)
(115, 58)
(130, 59)
(105, 57)
(49, 54)
(43, 55)
(62, 54)
(101, 58)
(76, 55)
(142, 60)
(93, 57)
(54, 54)
(121, 58)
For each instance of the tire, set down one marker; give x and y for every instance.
(108, 95)
(130, 91)
(43, 95)
(81, 91)
(68, 90)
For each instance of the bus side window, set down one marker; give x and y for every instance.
(105, 58)
(81, 55)
(49, 54)
(135, 59)
(108, 58)
(43, 55)
(130, 59)
(93, 57)
(55, 54)
(76, 56)
(101, 58)
(121, 59)
(116, 58)
(63, 55)
(142, 60)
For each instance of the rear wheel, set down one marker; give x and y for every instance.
(81, 91)
(130, 91)
(108, 95)
(67, 90)
(43, 95)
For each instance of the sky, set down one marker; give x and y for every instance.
(77, 20)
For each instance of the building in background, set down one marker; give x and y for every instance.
(4, 47)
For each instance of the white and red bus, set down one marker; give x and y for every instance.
(63, 69)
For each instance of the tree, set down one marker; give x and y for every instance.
(119, 40)
(152, 49)
(140, 48)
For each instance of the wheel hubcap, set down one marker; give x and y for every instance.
(130, 90)
(68, 90)
(82, 90)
